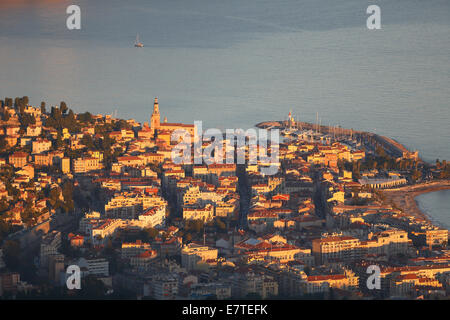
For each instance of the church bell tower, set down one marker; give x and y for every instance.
(156, 117)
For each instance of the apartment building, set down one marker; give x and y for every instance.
(104, 229)
(219, 291)
(94, 266)
(132, 249)
(41, 145)
(406, 285)
(33, 131)
(50, 245)
(431, 237)
(165, 287)
(389, 242)
(261, 249)
(153, 217)
(143, 261)
(205, 213)
(322, 283)
(169, 247)
(193, 253)
(18, 159)
(336, 247)
(83, 165)
(399, 278)
(249, 283)
(128, 205)
(132, 161)
(65, 165)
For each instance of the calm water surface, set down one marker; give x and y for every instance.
(436, 205)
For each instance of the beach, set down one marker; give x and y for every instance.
(405, 197)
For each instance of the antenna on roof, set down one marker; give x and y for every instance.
(317, 122)
(204, 235)
(320, 124)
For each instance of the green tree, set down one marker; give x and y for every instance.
(11, 254)
(194, 225)
(26, 120)
(4, 205)
(85, 117)
(5, 230)
(6, 116)
(3, 144)
(43, 107)
(54, 196)
(92, 288)
(63, 107)
(88, 142)
(59, 141)
(67, 192)
(148, 234)
(8, 102)
(121, 124)
(220, 224)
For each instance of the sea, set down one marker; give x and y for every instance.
(435, 206)
(234, 63)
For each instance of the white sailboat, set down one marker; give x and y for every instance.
(137, 43)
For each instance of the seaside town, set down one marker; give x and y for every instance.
(104, 194)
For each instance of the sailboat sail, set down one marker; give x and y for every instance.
(138, 44)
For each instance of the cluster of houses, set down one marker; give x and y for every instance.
(199, 231)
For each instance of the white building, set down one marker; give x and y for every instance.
(165, 287)
(50, 245)
(41, 145)
(153, 217)
(192, 254)
(95, 267)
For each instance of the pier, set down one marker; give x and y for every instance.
(392, 147)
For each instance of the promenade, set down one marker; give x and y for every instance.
(404, 197)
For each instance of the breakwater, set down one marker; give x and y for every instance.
(392, 147)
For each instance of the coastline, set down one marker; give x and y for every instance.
(405, 197)
(393, 147)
